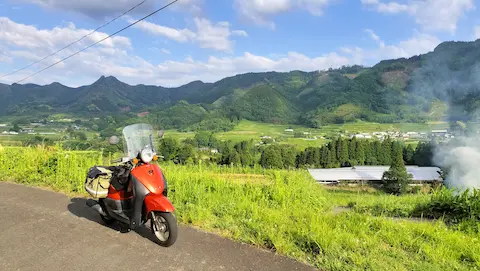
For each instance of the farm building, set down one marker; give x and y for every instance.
(371, 174)
(441, 133)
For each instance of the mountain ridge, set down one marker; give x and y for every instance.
(392, 90)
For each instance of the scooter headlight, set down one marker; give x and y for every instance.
(147, 155)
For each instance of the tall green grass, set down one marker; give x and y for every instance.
(284, 211)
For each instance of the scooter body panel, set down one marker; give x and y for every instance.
(151, 177)
(155, 202)
(145, 193)
(121, 210)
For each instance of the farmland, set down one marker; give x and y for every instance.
(246, 130)
(283, 211)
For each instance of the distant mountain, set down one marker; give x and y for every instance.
(415, 90)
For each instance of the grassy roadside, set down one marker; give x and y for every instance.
(284, 211)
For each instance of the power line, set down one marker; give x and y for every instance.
(98, 28)
(111, 35)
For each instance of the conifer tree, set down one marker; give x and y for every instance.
(396, 179)
(360, 151)
(271, 157)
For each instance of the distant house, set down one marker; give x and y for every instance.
(143, 114)
(439, 133)
(205, 149)
(289, 130)
(360, 136)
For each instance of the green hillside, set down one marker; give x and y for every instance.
(438, 86)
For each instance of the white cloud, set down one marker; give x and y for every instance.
(476, 34)
(432, 15)
(94, 8)
(191, 6)
(109, 8)
(259, 11)
(213, 36)
(5, 59)
(179, 35)
(419, 43)
(240, 33)
(315, 7)
(375, 37)
(207, 35)
(390, 7)
(116, 59)
(165, 51)
(27, 36)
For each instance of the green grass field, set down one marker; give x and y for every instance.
(284, 211)
(247, 130)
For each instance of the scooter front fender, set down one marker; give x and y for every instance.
(160, 203)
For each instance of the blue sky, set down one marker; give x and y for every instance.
(208, 40)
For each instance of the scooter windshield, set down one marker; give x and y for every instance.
(138, 137)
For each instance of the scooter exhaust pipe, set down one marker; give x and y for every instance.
(96, 206)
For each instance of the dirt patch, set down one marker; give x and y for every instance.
(351, 188)
(395, 79)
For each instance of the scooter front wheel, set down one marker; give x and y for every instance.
(164, 228)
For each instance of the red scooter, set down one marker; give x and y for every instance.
(136, 190)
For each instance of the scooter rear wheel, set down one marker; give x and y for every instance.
(164, 228)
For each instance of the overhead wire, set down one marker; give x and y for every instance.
(67, 46)
(111, 35)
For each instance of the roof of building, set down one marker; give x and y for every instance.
(373, 173)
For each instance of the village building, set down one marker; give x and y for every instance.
(366, 174)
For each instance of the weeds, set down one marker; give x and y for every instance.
(283, 211)
(453, 207)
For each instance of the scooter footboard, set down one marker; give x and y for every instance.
(158, 203)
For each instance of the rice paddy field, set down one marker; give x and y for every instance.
(247, 130)
(283, 211)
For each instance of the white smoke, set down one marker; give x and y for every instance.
(462, 159)
(447, 75)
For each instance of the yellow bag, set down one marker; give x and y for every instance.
(98, 182)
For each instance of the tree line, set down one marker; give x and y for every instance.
(339, 152)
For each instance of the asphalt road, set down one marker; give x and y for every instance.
(43, 230)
